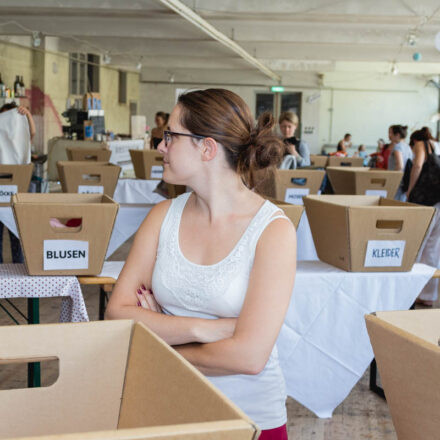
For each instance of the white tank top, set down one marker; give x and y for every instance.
(183, 288)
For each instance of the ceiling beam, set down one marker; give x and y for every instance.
(189, 15)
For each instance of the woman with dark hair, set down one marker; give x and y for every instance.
(422, 144)
(400, 152)
(161, 120)
(210, 266)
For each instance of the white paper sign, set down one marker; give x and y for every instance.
(376, 192)
(65, 254)
(90, 189)
(6, 192)
(156, 172)
(295, 195)
(384, 253)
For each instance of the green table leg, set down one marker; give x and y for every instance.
(34, 368)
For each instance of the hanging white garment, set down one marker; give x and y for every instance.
(15, 139)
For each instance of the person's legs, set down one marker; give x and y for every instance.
(1, 243)
(279, 433)
(17, 254)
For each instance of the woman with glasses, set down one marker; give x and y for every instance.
(212, 271)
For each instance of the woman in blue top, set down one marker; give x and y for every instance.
(400, 153)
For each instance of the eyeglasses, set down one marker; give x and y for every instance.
(168, 136)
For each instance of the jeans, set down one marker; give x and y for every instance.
(17, 254)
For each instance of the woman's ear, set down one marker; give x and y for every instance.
(209, 149)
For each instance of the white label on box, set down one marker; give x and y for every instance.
(90, 189)
(65, 254)
(6, 192)
(384, 253)
(376, 192)
(295, 195)
(156, 172)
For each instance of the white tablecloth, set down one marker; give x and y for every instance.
(16, 283)
(136, 198)
(323, 346)
(7, 218)
(305, 246)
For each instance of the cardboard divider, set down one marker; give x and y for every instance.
(319, 161)
(88, 154)
(85, 177)
(66, 251)
(364, 181)
(14, 179)
(335, 161)
(367, 233)
(147, 164)
(140, 388)
(407, 352)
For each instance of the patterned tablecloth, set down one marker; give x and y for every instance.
(16, 283)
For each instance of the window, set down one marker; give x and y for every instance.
(277, 103)
(84, 73)
(122, 87)
(264, 103)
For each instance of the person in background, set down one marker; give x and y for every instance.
(299, 149)
(16, 252)
(400, 152)
(344, 144)
(361, 152)
(161, 120)
(202, 265)
(430, 250)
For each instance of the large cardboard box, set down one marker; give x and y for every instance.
(88, 154)
(14, 179)
(293, 212)
(148, 164)
(319, 161)
(364, 181)
(88, 177)
(117, 380)
(367, 233)
(335, 161)
(406, 347)
(64, 234)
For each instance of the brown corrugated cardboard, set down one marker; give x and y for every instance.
(88, 177)
(406, 347)
(335, 161)
(139, 389)
(52, 250)
(294, 212)
(88, 154)
(319, 161)
(147, 164)
(367, 233)
(364, 181)
(14, 179)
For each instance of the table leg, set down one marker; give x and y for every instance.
(34, 368)
(102, 302)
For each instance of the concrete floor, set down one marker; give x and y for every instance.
(362, 415)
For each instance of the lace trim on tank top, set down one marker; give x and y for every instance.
(194, 285)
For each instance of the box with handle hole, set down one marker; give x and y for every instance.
(116, 380)
(337, 161)
(364, 181)
(88, 177)
(88, 154)
(14, 179)
(367, 233)
(318, 161)
(64, 234)
(147, 164)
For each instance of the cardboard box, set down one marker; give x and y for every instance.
(51, 250)
(364, 181)
(406, 347)
(88, 130)
(88, 154)
(367, 233)
(335, 161)
(318, 161)
(14, 179)
(148, 164)
(117, 380)
(92, 101)
(294, 212)
(88, 177)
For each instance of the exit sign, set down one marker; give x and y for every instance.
(277, 89)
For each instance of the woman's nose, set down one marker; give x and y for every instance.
(161, 147)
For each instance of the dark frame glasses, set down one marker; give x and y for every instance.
(167, 136)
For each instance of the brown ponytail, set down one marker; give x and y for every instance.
(224, 116)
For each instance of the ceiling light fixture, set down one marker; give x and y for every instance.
(394, 69)
(36, 39)
(107, 59)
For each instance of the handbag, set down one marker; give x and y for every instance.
(426, 191)
(406, 176)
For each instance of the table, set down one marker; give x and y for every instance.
(305, 246)
(323, 346)
(7, 218)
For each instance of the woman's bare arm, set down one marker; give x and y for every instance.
(419, 159)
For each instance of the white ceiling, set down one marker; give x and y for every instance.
(290, 37)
